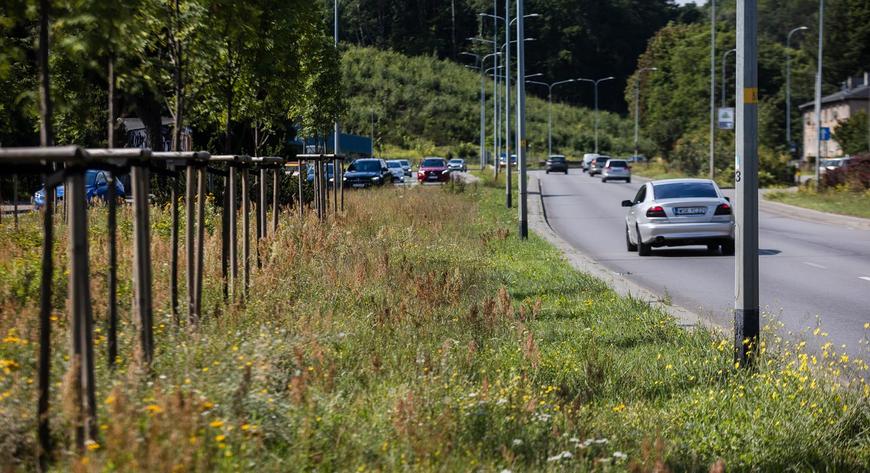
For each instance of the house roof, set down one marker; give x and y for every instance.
(861, 92)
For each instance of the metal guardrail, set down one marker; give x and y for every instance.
(140, 163)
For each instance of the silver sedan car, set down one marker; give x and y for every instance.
(679, 212)
(616, 169)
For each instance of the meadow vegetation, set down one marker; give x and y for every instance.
(416, 332)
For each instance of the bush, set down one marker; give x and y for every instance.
(855, 176)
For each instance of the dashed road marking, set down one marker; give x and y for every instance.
(815, 265)
(866, 278)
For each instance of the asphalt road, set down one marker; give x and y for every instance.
(811, 273)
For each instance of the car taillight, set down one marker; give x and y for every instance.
(723, 209)
(656, 211)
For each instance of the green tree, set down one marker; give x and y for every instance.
(853, 134)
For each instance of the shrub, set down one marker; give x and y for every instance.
(855, 176)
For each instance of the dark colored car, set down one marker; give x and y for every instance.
(330, 174)
(597, 165)
(96, 187)
(433, 170)
(367, 173)
(557, 163)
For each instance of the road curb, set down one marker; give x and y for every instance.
(622, 286)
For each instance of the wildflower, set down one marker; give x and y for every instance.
(206, 405)
(517, 442)
(91, 445)
(564, 455)
(619, 407)
(216, 424)
(154, 408)
(9, 365)
(245, 427)
(220, 438)
(844, 358)
(619, 455)
(110, 399)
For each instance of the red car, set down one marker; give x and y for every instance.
(433, 170)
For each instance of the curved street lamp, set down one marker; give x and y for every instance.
(595, 83)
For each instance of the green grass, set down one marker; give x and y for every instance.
(856, 204)
(417, 333)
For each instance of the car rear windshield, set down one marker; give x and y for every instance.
(433, 163)
(365, 166)
(679, 190)
(618, 164)
(394, 164)
(456, 161)
(558, 159)
(601, 160)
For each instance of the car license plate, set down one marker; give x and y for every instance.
(690, 210)
(359, 185)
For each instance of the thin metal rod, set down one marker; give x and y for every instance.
(521, 121)
(112, 322)
(43, 428)
(275, 199)
(173, 257)
(300, 204)
(711, 165)
(818, 104)
(225, 239)
(233, 243)
(507, 106)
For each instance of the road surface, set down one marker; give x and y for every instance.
(811, 273)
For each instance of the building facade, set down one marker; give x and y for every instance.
(836, 108)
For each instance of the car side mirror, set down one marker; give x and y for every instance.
(627, 203)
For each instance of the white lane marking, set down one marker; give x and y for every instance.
(814, 265)
(866, 278)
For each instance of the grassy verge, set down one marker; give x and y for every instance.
(417, 333)
(856, 204)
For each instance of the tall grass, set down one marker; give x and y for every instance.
(415, 332)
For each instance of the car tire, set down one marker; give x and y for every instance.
(628, 181)
(566, 172)
(548, 171)
(603, 179)
(631, 247)
(643, 249)
(728, 248)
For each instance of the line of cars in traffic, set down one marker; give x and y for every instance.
(372, 172)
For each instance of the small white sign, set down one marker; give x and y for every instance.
(726, 118)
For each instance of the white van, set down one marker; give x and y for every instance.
(587, 158)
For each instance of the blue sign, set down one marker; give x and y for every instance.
(825, 134)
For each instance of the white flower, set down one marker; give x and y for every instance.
(574, 440)
(517, 442)
(619, 455)
(564, 455)
(501, 402)
(506, 471)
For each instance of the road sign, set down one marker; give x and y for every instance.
(825, 133)
(726, 118)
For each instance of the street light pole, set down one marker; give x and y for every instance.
(507, 105)
(818, 105)
(712, 87)
(336, 147)
(746, 308)
(521, 121)
(550, 109)
(788, 85)
(595, 83)
(637, 108)
(724, 76)
(480, 64)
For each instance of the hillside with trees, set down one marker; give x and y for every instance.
(422, 102)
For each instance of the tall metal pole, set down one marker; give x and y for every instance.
(549, 121)
(482, 119)
(712, 156)
(637, 109)
(596, 117)
(336, 147)
(507, 104)
(818, 106)
(724, 76)
(496, 104)
(746, 308)
(521, 121)
(788, 85)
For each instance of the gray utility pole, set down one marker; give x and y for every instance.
(521, 121)
(724, 75)
(507, 106)
(480, 65)
(595, 84)
(495, 97)
(336, 147)
(746, 307)
(550, 109)
(788, 86)
(712, 88)
(818, 107)
(637, 108)
(373, 131)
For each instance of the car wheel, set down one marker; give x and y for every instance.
(628, 244)
(728, 248)
(643, 249)
(603, 179)
(548, 171)
(628, 181)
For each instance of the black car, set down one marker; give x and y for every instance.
(557, 163)
(597, 165)
(367, 173)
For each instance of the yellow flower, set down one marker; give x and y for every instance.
(206, 405)
(216, 423)
(220, 438)
(110, 399)
(245, 427)
(154, 408)
(619, 407)
(844, 359)
(91, 445)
